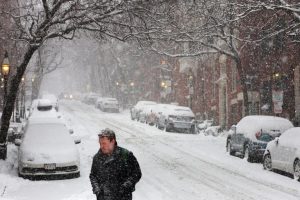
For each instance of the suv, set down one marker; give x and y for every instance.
(250, 136)
(177, 118)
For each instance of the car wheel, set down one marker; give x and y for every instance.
(231, 152)
(297, 170)
(247, 154)
(228, 146)
(267, 162)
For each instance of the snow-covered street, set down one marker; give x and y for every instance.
(174, 166)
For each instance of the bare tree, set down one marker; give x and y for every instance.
(39, 21)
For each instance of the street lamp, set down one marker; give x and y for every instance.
(5, 72)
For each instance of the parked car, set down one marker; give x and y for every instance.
(91, 98)
(46, 150)
(177, 118)
(53, 99)
(147, 115)
(283, 153)
(135, 111)
(108, 104)
(252, 133)
(43, 108)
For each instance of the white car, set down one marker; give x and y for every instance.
(108, 104)
(43, 108)
(283, 153)
(135, 111)
(147, 115)
(53, 99)
(47, 150)
(177, 118)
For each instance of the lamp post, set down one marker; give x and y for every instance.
(5, 72)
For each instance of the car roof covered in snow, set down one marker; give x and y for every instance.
(291, 137)
(44, 103)
(250, 125)
(181, 111)
(143, 103)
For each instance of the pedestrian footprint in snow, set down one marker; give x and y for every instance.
(115, 170)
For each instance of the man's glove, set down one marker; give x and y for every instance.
(125, 187)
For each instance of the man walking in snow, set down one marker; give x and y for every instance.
(115, 171)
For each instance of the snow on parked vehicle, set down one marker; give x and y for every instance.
(107, 104)
(47, 150)
(252, 134)
(53, 99)
(146, 114)
(43, 108)
(177, 118)
(283, 153)
(135, 111)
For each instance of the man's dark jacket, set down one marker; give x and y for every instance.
(113, 177)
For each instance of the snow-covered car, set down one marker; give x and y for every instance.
(147, 115)
(283, 153)
(53, 99)
(43, 108)
(213, 130)
(108, 104)
(177, 118)
(33, 106)
(47, 150)
(252, 133)
(91, 98)
(135, 111)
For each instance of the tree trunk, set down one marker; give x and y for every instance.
(10, 100)
(242, 75)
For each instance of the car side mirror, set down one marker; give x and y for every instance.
(18, 142)
(71, 131)
(277, 140)
(77, 141)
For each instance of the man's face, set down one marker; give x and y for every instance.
(106, 146)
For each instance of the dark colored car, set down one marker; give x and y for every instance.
(251, 135)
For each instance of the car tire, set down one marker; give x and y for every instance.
(247, 154)
(297, 170)
(228, 144)
(160, 127)
(167, 129)
(231, 152)
(267, 162)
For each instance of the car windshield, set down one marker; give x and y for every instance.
(265, 137)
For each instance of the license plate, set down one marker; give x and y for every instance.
(182, 125)
(50, 166)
